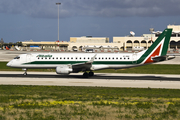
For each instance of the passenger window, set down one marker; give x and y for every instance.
(64, 58)
(57, 58)
(106, 57)
(72, 58)
(117, 58)
(60, 58)
(109, 58)
(68, 58)
(45, 58)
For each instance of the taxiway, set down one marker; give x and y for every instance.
(100, 80)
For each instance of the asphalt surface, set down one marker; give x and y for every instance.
(99, 79)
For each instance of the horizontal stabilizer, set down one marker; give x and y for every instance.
(159, 58)
(170, 58)
(162, 58)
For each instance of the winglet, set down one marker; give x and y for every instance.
(92, 59)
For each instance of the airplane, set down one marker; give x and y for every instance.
(66, 63)
(17, 48)
(7, 48)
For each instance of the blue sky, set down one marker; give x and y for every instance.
(22, 20)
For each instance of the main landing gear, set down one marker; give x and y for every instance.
(25, 71)
(90, 74)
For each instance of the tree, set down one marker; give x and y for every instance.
(18, 43)
(2, 41)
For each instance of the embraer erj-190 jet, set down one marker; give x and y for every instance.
(66, 63)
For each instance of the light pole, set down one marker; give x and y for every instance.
(151, 30)
(58, 18)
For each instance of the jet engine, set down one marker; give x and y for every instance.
(64, 69)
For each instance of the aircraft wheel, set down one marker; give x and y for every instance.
(91, 73)
(86, 75)
(25, 73)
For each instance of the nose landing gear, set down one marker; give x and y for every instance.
(25, 71)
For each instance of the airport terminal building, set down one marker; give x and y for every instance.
(102, 44)
(130, 42)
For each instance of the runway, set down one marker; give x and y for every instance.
(100, 80)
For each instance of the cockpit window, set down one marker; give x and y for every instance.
(17, 57)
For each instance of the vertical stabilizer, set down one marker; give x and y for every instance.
(158, 48)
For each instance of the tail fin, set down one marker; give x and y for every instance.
(157, 49)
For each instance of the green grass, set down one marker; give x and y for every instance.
(87, 103)
(147, 69)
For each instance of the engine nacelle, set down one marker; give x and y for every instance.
(63, 69)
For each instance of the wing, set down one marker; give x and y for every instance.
(86, 66)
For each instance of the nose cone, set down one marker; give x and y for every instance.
(9, 64)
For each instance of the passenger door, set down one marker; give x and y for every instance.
(28, 57)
